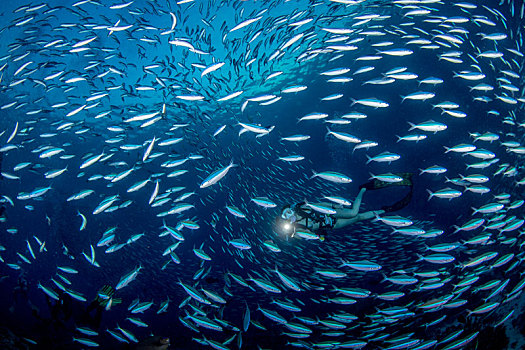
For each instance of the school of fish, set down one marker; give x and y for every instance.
(149, 145)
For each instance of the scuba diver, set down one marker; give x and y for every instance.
(313, 221)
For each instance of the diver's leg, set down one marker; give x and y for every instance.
(350, 213)
(340, 223)
(369, 215)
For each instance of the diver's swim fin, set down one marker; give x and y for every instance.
(400, 204)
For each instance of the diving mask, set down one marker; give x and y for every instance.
(288, 214)
(287, 226)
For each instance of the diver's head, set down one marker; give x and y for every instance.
(284, 224)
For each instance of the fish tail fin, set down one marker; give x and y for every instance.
(430, 195)
(399, 138)
(369, 159)
(353, 101)
(412, 126)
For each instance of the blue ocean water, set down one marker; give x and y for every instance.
(121, 61)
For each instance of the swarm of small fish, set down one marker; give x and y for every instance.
(190, 113)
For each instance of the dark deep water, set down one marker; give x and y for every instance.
(122, 62)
